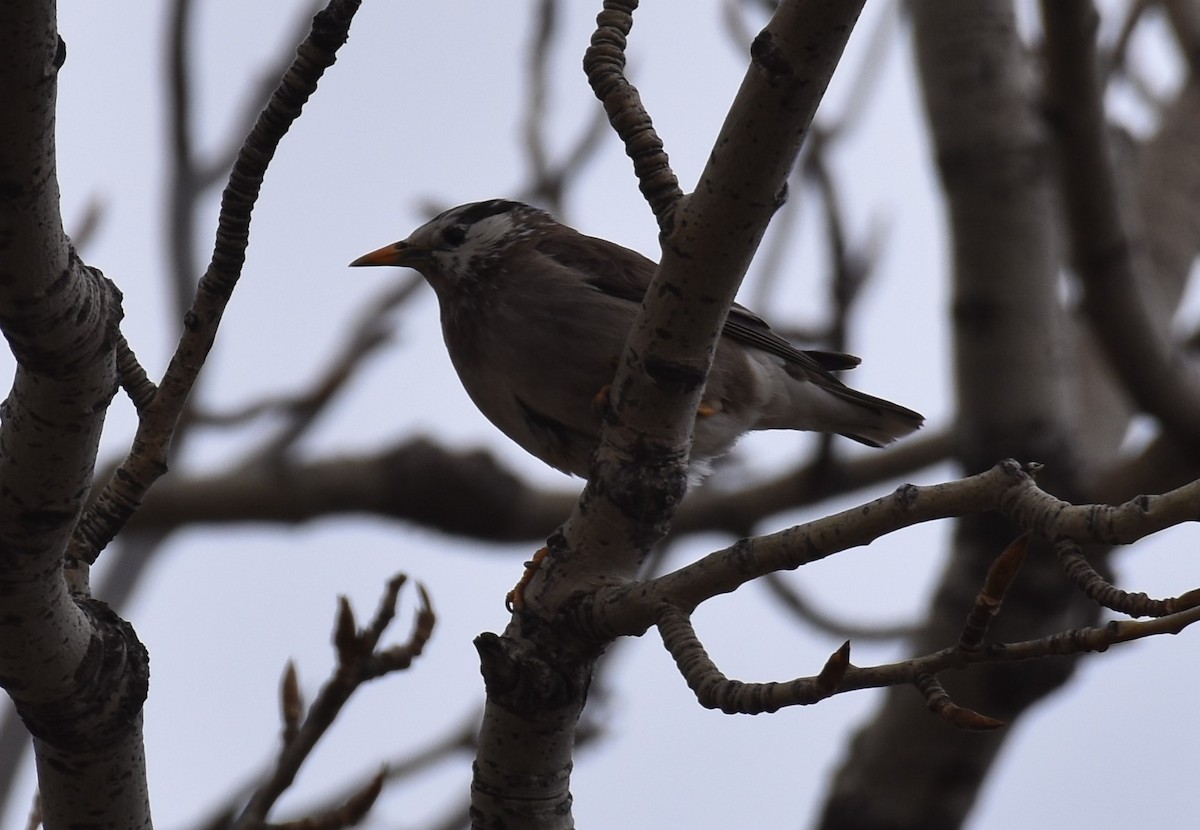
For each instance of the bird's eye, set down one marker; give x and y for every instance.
(454, 235)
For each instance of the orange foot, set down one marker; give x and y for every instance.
(515, 600)
(600, 402)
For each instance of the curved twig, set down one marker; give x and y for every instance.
(604, 63)
(716, 691)
(1008, 488)
(1102, 592)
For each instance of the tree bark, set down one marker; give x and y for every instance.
(75, 671)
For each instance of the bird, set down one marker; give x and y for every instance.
(535, 316)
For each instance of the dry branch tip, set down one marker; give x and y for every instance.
(834, 670)
(1000, 577)
(938, 701)
(345, 633)
(291, 701)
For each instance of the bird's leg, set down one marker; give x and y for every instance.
(600, 402)
(515, 600)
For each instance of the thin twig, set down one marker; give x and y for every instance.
(137, 385)
(604, 63)
(1008, 488)
(369, 332)
(125, 491)
(359, 661)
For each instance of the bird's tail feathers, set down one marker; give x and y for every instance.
(824, 404)
(870, 420)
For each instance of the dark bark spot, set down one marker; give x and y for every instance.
(767, 55)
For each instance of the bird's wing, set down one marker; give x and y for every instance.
(625, 274)
(744, 326)
(605, 266)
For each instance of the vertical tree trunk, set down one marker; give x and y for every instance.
(1013, 370)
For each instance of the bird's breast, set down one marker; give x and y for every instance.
(536, 367)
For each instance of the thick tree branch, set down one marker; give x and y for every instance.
(639, 472)
(76, 672)
(1107, 254)
(408, 482)
(537, 677)
(1012, 356)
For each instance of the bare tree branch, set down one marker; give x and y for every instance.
(709, 240)
(712, 237)
(1006, 488)
(359, 661)
(407, 481)
(1107, 254)
(714, 690)
(76, 672)
(125, 491)
(604, 64)
(1012, 351)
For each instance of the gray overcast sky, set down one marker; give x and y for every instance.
(423, 104)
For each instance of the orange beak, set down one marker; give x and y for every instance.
(398, 253)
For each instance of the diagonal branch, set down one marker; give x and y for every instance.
(639, 472)
(147, 460)
(537, 677)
